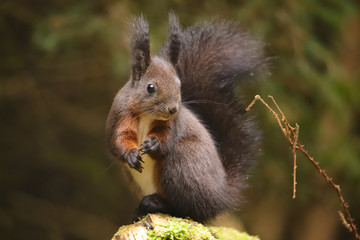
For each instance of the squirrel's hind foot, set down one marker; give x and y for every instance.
(152, 203)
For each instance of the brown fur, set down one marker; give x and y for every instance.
(126, 134)
(158, 171)
(160, 129)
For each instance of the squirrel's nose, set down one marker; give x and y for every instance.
(172, 109)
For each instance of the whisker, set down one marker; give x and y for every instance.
(185, 90)
(146, 112)
(107, 169)
(202, 101)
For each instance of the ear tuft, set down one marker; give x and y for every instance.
(174, 39)
(140, 47)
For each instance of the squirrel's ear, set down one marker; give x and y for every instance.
(140, 47)
(174, 39)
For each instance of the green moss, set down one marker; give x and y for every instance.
(180, 229)
(164, 227)
(223, 233)
(121, 230)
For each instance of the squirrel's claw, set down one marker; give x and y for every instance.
(139, 157)
(153, 203)
(134, 160)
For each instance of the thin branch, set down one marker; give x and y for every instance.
(343, 221)
(294, 157)
(291, 134)
(257, 97)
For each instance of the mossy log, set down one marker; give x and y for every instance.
(161, 227)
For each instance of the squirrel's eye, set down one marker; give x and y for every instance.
(151, 88)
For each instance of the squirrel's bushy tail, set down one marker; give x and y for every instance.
(213, 56)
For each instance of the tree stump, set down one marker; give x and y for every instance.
(161, 227)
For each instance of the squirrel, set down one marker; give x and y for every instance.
(177, 123)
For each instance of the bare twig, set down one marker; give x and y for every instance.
(291, 134)
(343, 221)
(296, 137)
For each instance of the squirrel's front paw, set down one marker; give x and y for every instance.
(134, 159)
(150, 145)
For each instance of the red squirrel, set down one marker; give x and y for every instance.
(177, 123)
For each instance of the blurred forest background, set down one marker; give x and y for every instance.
(62, 62)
